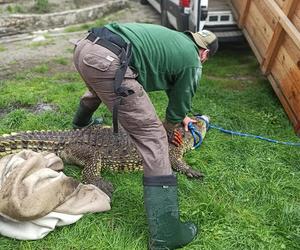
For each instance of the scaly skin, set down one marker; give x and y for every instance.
(96, 148)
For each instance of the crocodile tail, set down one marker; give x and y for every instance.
(50, 141)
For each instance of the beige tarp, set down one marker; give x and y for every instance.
(35, 196)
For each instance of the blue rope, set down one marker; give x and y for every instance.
(253, 136)
(230, 132)
(196, 135)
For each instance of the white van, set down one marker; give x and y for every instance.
(195, 15)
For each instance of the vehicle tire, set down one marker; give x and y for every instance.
(144, 2)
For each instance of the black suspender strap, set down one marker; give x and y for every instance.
(124, 54)
(120, 90)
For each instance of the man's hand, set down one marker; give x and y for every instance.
(186, 122)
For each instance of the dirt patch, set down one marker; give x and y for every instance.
(25, 54)
(21, 55)
(43, 107)
(36, 109)
(44, 6)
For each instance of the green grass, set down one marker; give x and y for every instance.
(41, 6)
(61, 60)
(2, 48)
(250, 196)
(16, 8)
(42, 68)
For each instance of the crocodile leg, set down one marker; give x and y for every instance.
(180, 166)
(92, 176)
(91, 163)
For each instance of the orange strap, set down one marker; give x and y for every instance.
(177, 138)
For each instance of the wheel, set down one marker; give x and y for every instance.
(144, 2)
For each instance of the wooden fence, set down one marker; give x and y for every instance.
(272, 28)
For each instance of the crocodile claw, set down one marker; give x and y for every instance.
(103, 185)
(191, 173)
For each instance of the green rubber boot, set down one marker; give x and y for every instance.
(83, 117)
(161, 203)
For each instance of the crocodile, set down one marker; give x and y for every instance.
(95, 148)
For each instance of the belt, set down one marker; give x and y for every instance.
(105, 43)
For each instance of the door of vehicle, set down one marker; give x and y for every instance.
(198, 14)
(177, 13)
(156, 4)
(171, 13)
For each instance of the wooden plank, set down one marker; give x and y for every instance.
(277, 38)
(293, 50)
(296, 17)
(272, 30)
(297, 11)
(263, 22)
(288, 77)
(238, 7)
(264, 9)
(297, 128)
(289, 67)
(258, 29)
(280, 3)
(244, 14)
(288, 109)
(286, 24)
(253, 46)
(296, 21)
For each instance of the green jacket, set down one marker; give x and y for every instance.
(164, 60)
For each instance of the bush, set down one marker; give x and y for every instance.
(42, 6)
(14, 9)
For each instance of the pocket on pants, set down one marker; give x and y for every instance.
(99, 62)
(136, 111)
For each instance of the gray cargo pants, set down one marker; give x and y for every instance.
(97, 66)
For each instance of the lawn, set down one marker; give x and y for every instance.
(250, 198)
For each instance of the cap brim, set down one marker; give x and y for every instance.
(197, 39)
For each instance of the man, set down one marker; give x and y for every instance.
(158, 59)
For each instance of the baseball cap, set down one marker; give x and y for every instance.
(205, 39)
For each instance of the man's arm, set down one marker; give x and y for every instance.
(181, 93)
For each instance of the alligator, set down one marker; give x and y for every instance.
(95, 148)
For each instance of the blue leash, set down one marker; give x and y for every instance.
(198, 137)
(230, 132)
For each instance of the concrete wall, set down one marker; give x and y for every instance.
(7, 1)
(21, 23)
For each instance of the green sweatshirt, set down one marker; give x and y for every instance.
(164, 60)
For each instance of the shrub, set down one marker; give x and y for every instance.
(42, 6)
(14, 9)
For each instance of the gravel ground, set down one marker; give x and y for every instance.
(28, 6)
(20, 52)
